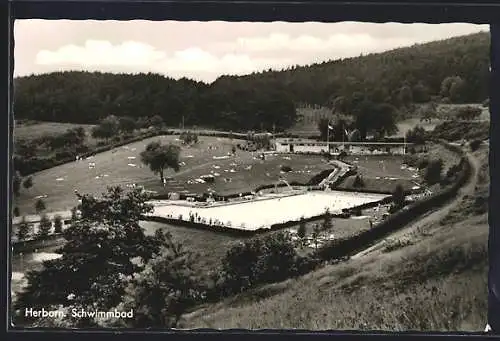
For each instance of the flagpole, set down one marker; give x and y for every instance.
(328, 136)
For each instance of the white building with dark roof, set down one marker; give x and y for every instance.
(296, 145)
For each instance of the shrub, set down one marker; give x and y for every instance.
(45, 227)
(358, 182)
(58, 224)
(342, 155)
(398, 196)
(16, 211)
(432, 173)
(286, 168)
(475, 144)
(301, 231)
(23, 231)
(422, 163)
(40, 206)
(416, 135)
(258, 261)
(28, 182)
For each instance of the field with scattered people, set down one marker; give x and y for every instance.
(122, 166)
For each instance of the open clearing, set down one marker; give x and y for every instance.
(33, 130)
(122, 166)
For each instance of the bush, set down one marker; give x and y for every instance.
(432, 173)
(416, 135)
(286, 168)
(358, 182)
(24, 229)
(398, 196)
(342, 155)
(40, 205)
(475, 144)
(422, 163)
(44, 228)
(257, 261)
(58, 224)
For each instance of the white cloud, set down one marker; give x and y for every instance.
(132, 56)
(100, 52)
(204, 51)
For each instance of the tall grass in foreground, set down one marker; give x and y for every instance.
(439, 284)
(457, 303)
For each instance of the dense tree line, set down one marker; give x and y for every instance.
(453, 70)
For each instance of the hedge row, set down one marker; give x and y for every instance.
(345, 247)
(33, 244)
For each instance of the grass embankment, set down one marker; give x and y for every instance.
(436, 281)
(381, 174)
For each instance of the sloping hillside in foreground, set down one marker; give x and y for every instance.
(432, 276)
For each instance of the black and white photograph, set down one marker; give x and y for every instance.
(250, 175)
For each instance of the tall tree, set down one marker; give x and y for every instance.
(98, 257)
(162, 292)
(23, 230)
(45, 227)
(160, 157)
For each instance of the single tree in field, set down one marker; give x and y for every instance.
(58, 224)
(398, 196)
(161, 157)
(44, 227)
(327, 221)
(23, 231)
(28, 182)
(316, 233)
(40, 206)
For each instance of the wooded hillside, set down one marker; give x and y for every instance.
(453, 70)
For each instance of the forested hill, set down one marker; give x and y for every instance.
(453, 70)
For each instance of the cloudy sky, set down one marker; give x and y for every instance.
(206, 50)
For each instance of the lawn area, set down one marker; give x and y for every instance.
(210, 247)
(383, 166)
(32, 130)
(122, 166)
(380, 174)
